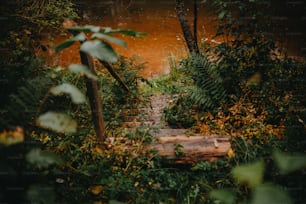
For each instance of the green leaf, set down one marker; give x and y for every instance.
(64, 45)
(115, 202)
(80, 37)
(124, 32)
(68, 43)
(58, 122)
(86, 28)
(82, 69)
(250, 174)
(100, 50)
(222, 14)
(270, 194)
(225, 196)
(76, 95)
(43, 159)
(39, 193)
(109, 38)
(288, 163)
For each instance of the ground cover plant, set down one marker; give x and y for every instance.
(237, 88)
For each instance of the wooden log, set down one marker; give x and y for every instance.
(191, 149)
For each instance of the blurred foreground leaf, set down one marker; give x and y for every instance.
(68, 43)
(76, 95)
(58, 122)
(85, 28)
(39, 193)
(250, 174)
(109, 38)
(82, 69)
(270, 194)
(124, 32)
(42, 159)
(288, 163)
(225, 196)
(100, 50)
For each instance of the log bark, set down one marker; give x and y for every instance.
(94, 99)
(193, 148)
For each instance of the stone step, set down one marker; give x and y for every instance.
(135, 124)
(168, 132)
(157, 131)
(152, 117)
(138, 118)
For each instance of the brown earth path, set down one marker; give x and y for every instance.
(152, 117)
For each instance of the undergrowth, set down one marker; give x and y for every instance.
(260, 108)
(255, 99)
(124, 171)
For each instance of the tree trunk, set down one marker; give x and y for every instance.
(94, 99)
(195, 24)
(189, 38)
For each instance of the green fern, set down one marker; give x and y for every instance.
(25, 102)
(207, 91)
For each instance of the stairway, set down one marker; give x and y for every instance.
(151, 116)
(195, 147)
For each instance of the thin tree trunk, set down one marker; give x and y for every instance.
(179, 7)
(94, 99)
(195, 24)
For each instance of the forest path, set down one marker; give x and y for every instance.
(193, 146)
(151, 116)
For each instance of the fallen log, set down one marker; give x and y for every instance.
(180, 149)
(191, 149)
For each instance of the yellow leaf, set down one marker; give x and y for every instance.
(96, 190)
(98, 150)
(231, 153)
(12, 137)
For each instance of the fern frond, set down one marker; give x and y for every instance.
(25, 102)
(208, 91)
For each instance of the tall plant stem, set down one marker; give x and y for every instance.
(94, 99)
